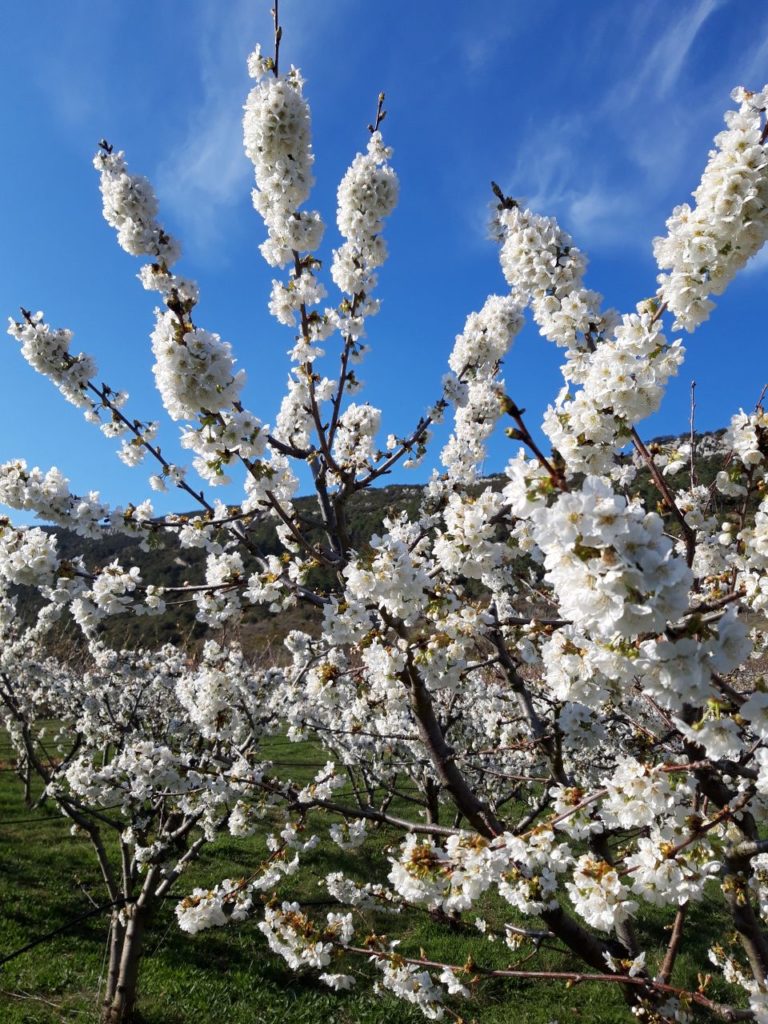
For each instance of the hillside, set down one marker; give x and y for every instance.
(167, 564)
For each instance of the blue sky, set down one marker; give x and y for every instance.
(600, 112)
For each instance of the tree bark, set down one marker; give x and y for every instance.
(116, 935)
(125, 952)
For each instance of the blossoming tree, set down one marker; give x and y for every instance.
(555, 668)
(115, 743)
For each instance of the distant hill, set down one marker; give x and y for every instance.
(258, 629)
(170, 565)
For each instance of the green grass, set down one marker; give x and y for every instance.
(229, 975)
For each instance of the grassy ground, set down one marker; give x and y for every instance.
(47, 878)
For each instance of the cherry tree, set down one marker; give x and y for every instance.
(113, 744)
(558, 670)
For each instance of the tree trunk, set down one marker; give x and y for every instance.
(116, 936)
(124, 959)
(27, 780)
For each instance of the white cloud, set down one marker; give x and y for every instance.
(650, 115)
(666, 58)
(76, 85)
(479, 49)
(208, 173)
(602, 217)
(613, 175)
(551, 168)
(755, 68)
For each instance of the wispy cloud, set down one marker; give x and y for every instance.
(613, 175)
(479, 49)
(207, 171)
(603, 217)
(756, 62)
(207, 174)
(74, 77)
(666, 58)
(591, 206)
(646, 109)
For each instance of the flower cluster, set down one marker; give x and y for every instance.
(46, 350)
(609, 562)
(473, 387)
(277, 137)
(706, 245)
(130, 207)
(367, 195)
(194, 370)
(213, 908)
(300, 942)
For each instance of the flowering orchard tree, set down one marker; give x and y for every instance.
(554, 669)
(117, 746)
